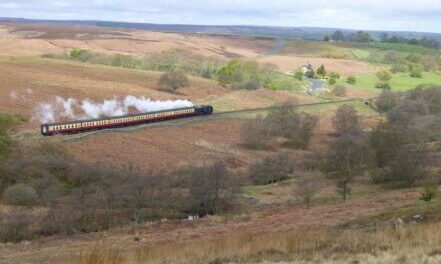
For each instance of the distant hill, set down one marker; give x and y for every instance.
(310, 33)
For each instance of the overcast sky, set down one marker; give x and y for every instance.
(404, 15)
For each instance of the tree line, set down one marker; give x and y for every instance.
(364, 37)
(177, 64)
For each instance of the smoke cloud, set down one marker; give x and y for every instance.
(72, 109)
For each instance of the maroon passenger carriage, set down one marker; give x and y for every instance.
(123, 121)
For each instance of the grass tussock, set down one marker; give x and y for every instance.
(100, 255)
(391, 244)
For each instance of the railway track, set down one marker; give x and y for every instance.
(183, 122)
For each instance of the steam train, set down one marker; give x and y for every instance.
(123, 121)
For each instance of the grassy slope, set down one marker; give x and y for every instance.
(399, 82)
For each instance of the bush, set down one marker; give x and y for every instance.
(383, 85)
(249, 85)
(387, 100)
(6, 122)
(334, 75)
(255, 134)
(392, 57)
(211, 189)
(76, 54)
(399, 67)
(321, 71)
(238, 73)
(428, 192)
(283, 122)
(346, 120)
(172, 81)
(408, 167)
(351, 80)
(272, 169)
(332, 81)
(384, 75)
(15, 227)
(20, 194)
(125, 61)
(307, 186)
(286, 122)
(416, 70)
(414, 57)
(299, 75)
(338, 90)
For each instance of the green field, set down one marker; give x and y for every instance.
(360, 54)
(399, 82)
(286, 82)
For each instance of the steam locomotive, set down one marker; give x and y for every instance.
(123, 121)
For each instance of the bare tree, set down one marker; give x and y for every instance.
(173, 80)
(347, 158)
(211, 189)
(283, 122)
(346, 120)
(255, 134)
(339, 90)
(307, 186)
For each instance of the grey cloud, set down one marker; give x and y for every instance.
(422, 15)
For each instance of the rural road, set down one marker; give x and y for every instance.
(277, 47)
(316, 86)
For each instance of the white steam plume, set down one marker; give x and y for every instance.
(13, 95)
(45, 113)
(66, 107)
(72, 109)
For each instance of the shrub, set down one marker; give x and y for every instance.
(416, 70)
(249, 85)
(15, 227)
(414, 57)
(302, 132)
(6, 122)
(255, 134)
(408, 167)
(392, 57)
(299, 75)
(172, 81)
(399, 67)
(334, 75)
(430, 63)
(384, 75)
(321, 71)
(287, 123)
(211, 189)
(125, 61)
(307, 186)
(20, 194)
(237, 73)
(383, 85)
(346, 120)
(76, 54)
(272, 169)
(332, 81)
(387, 100)
(338, 90)
(428, 192)
(351, 80)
